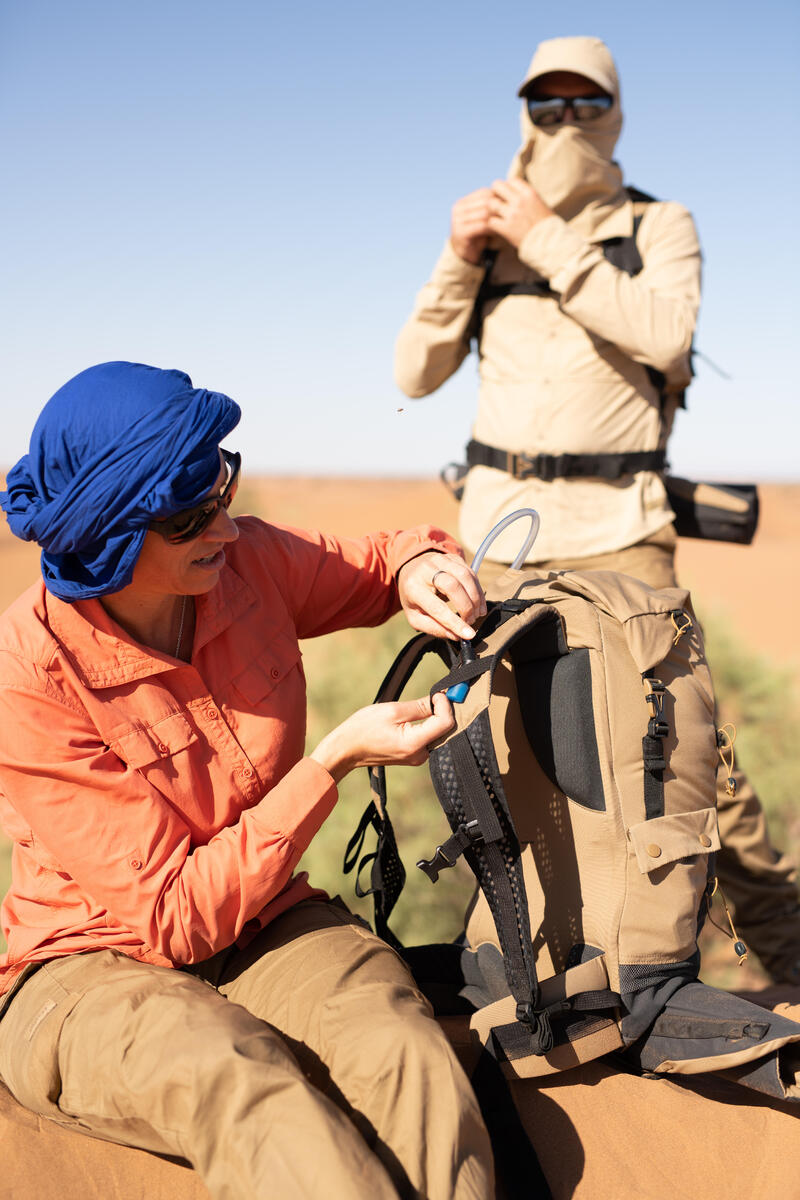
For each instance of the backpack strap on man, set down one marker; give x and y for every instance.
(621, 252)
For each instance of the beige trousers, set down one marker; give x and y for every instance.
(760, 884)
(306, 1066)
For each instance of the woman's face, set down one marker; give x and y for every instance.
(188, 568)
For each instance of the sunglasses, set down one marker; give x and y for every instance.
(189, 523)
(553, 109)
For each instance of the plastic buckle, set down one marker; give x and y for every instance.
(433, 866)
(525, 1013)
(464, 835)
(530, 464)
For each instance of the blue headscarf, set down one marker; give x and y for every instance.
(118, 445)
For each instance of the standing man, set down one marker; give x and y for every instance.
(582, 295)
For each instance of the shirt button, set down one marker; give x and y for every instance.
(247, 772)
(163, 747)
(212, 714)
(654, 851)
(136, 863)
(275, 673)
(704, 839)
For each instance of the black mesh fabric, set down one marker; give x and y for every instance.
(496, 863)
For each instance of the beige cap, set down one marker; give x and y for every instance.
(586, 56)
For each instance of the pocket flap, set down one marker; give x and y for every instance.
(259, 678)
(142, 746)
(679, 835)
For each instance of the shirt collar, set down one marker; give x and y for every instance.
(104, 655)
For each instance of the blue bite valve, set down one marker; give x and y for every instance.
(457, 692)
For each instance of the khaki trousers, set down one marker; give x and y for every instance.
(760, 884)
(305, 1066)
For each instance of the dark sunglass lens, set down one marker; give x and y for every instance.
(190, 524)
(590, 108)
(545, 112)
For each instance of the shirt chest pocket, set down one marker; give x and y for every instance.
(261, 676)
(144, 746)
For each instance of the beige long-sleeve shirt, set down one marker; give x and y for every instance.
(566, 374)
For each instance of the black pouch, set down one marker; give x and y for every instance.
(718, 512)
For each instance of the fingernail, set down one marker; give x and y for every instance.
(467, 632)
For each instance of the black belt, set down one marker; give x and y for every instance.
(565, 466)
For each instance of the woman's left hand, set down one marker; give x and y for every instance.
(441, 595)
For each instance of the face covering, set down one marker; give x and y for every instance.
(571, 166)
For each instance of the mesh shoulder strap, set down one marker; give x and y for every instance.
(387, 873)
(467, 780)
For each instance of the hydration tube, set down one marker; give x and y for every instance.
(525, 549)
(458, 692)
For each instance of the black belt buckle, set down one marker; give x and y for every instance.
(538, 466)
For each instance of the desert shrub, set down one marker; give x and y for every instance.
(344, 672)
(760, 699)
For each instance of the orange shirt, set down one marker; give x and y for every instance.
(160, 807)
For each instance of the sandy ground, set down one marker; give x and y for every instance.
(753, 587)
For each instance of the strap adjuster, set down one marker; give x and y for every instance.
(657, 728)
(446, 855)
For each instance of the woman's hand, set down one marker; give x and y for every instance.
(430, 584)
(398, 733)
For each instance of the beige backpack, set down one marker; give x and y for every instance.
(579, 783)
(594, 727)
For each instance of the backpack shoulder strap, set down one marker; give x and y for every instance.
(620, 251)
(387, 873)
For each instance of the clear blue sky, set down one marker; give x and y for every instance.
(253, 192)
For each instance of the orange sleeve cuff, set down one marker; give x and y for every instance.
(298, 806)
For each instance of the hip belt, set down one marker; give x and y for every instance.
(722, 512)
(565, 466)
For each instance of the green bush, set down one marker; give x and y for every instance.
(761, 700)
(344, 672)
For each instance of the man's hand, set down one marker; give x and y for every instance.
(398, 733)
(515, 208)
(469, 227)
(430, 584)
